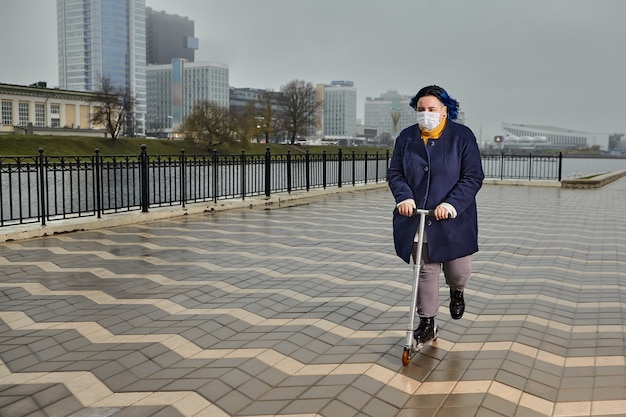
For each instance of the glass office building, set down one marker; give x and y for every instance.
(104, 38)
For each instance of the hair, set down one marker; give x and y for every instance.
(441, 94)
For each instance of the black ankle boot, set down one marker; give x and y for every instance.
(457, 304)
(426, 330)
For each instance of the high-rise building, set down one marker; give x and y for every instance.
(389, 113)
(104, 38)
(174, 89)
(168, 37)
(340, 109)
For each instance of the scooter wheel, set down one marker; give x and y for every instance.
(406, 356)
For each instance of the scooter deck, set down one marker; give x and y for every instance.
(409, 352)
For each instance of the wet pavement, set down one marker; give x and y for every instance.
(302, 311)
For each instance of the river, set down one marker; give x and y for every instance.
(581, 167)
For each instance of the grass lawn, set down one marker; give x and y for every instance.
(17, 145)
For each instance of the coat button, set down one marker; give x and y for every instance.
(425, 168)
(429, 222)
(432, 143)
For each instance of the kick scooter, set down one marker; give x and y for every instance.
(411, 346)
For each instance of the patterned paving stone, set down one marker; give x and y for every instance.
(301, 311)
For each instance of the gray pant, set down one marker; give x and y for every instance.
(457, 273)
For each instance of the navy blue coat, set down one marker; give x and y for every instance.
(448, 170)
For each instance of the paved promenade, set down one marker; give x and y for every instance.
(302, 311)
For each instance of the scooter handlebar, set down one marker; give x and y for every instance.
(423, 211)
(427, 212)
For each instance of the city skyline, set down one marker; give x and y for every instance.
(557, 63)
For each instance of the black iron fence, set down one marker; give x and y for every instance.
(523, 166)
(42, 188)
(38, 189)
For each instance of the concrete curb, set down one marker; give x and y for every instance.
(594, 182)
(523, 183)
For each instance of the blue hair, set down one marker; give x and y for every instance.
(441, 95)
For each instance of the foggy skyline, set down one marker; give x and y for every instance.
(556, 63)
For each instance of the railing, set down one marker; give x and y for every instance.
(520, 166)
(44, 188)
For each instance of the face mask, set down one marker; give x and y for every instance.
(428, 119)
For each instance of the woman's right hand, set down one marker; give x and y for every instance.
(406, 208)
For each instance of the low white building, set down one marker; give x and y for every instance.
(36, 109)
(522, 136)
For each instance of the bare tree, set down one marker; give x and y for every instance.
(209, 122)
(395, 114)
(113, 108)
(385, 139)
(395, 118)
(245, 123)
(299, 105)
(267, 120)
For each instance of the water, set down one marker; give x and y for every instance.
(581, 167)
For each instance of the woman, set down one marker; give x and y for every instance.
(436, 165)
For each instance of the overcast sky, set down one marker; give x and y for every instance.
(547, 62)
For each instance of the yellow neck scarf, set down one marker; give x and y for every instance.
(433, 133)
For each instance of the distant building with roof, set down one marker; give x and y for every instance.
(169, 36)
(339, 114)
(380, 113)
(174, 89)
(531, 137)
(36, 109)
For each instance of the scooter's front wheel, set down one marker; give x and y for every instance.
(406, 356)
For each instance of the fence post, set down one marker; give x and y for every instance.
(268, 162)
(307, 160)
(289, 171)
(376, 167)
(143, 161)
(501, 166)
(560, 166)
(530, 166)
(215, 161)
(97, 174)
(42, 188)
(340, 163)
(242, 167)
(353, 168)
(365, 168)
(324, 169)
(386, 162)
(183, 177)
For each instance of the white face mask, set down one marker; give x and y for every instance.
(428, 119)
